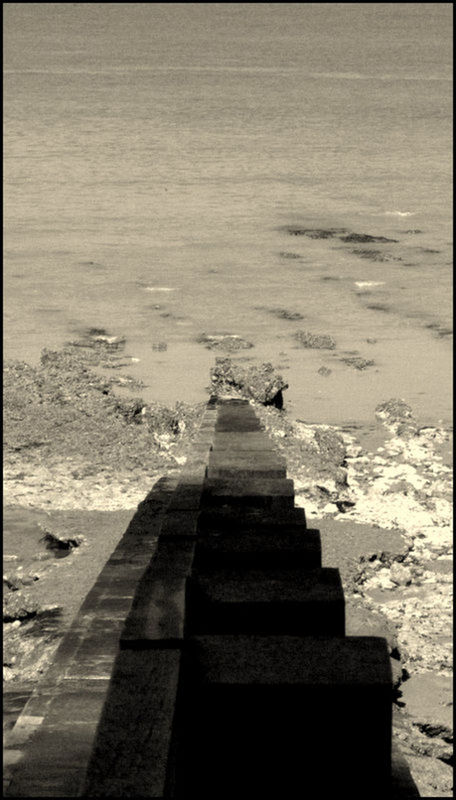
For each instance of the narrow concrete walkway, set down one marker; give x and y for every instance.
(210, 658)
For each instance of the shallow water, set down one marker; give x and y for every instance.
(155, 155)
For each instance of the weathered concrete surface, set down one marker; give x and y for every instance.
(272, 494)
(49, 747)
(254, 440)
(243, 521)
(259, 549)
(277, 601)
(132, 755)
(157, 615)
(243, 690)
(180, 523)
(241, 465)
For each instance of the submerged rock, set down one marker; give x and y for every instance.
(59, 541)
(316, 233)
(396, 415)
(224, 341)
(365, 237)
(375, 255)
(283, 313)
(357, 362)
(99, 338)
(325, 371)
(260, 383)
(287, 254)
(315, 341)
(379, 307)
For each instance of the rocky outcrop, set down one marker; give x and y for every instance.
(404, 489)
(358, 362)
(365, 237)
(396, 415)
(229, 342)
(315, 341)
(282, 313)
(261, 383)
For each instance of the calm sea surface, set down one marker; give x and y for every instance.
(155, 155)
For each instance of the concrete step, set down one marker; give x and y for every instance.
(279, 601)
(242, 464)
(267, 493)
(245, 457)
(133, 749)
(281, 716)
(245, 471)
(254, 440)
(260, 550)
(237, 426)
(251, 520)
(157, 614)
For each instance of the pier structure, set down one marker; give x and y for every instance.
(210, 657)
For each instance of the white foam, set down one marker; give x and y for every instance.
(158, 289)
(399, 213)
(362, 284)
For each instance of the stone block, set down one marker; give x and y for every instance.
(287, 717)
(180, 524)
(186, 496)
(237, 426)
(266, 493)
(255, 440)
(238, 520)
(133, 752)
(279, 601)
(402, 784)
(93, 660)
(259, 550)
(192, 474)
(157, 613)
(246, 470)
(55, 761)
(244, 464)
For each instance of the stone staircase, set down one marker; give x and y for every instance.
(218, 667)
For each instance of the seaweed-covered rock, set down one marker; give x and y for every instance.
(260, 383)
(283, 313)
(63, 414)
(19, 606)
(365, 237)
(357, 362)
(288, 254)
(316, 233)
(230, 342)
(315, 341)
(397, 416)
(56, 540)
(375, 255)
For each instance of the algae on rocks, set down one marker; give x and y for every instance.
(261, 383)
(63, 414)
(315, 341)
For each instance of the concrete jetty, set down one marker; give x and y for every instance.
(210, 658)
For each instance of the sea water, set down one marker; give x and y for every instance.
(157, 156)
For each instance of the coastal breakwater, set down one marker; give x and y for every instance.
(210, 657)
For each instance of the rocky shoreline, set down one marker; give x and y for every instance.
(81, 452)
(404, 485)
